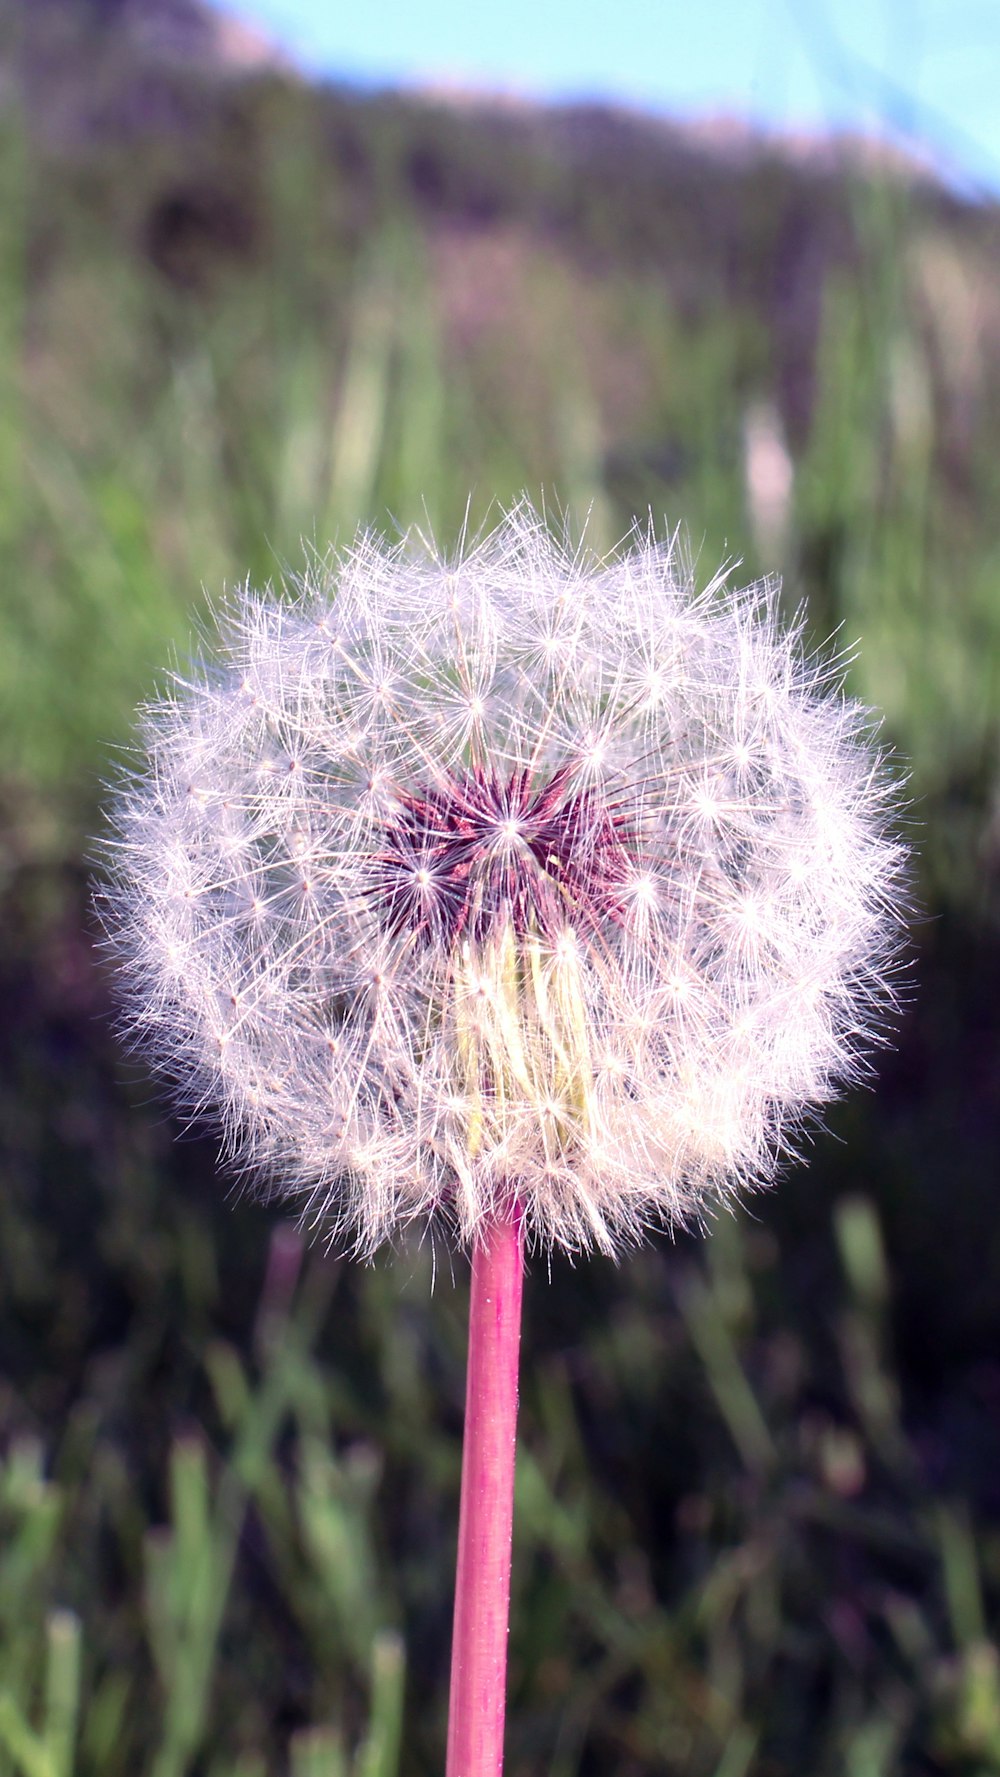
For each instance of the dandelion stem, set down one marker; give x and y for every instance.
(482, 1585)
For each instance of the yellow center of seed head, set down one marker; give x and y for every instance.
(522, 1039)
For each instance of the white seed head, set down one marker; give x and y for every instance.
(518, 873)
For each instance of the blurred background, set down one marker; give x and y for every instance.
(265, 274)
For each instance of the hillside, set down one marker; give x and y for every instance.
(612, 307)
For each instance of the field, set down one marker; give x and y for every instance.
(758, 1509)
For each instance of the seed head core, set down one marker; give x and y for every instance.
(477, 850)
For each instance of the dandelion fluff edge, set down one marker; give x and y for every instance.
(521, 873)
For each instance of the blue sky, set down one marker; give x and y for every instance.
(921, 70)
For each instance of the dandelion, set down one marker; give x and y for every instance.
(539, 898)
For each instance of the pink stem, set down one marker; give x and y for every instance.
(486, 1512)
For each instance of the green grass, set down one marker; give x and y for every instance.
(757, 1524)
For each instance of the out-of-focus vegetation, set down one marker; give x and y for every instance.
(758, 1517)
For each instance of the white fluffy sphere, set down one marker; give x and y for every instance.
(519, 874)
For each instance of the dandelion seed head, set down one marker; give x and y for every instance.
(516, 873)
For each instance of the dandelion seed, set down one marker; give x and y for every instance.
(449, 831)
(539, 897)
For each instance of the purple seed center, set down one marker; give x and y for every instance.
(471, 852)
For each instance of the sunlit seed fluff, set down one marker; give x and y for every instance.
(446, 880)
